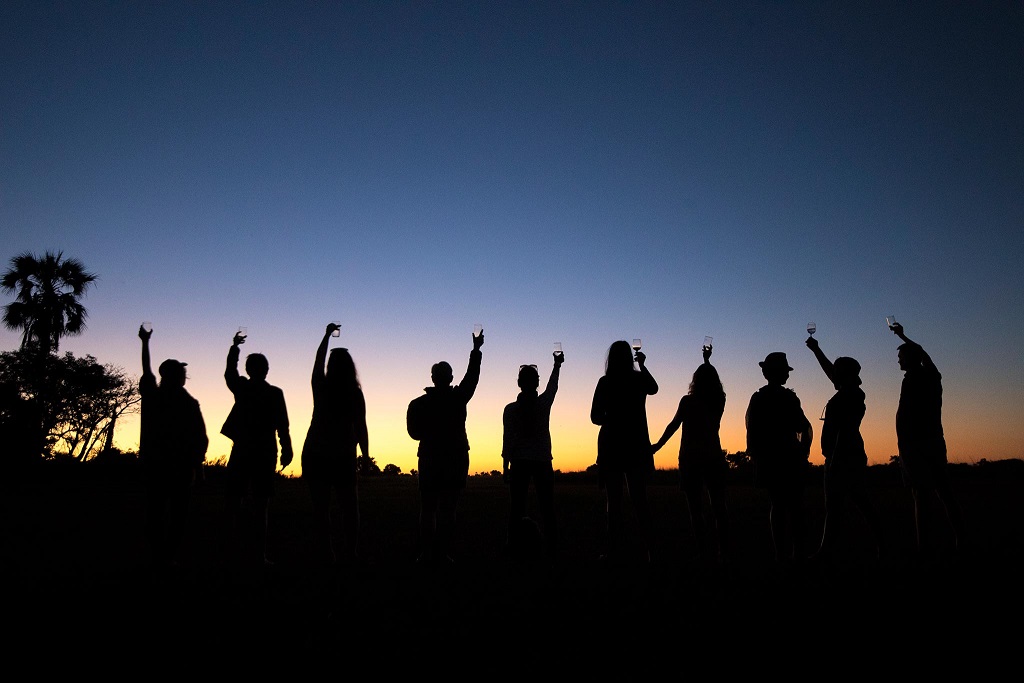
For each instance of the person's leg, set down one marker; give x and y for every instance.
(177, 518)
(154, 530)
(832, 529)
(613, 510)
(954, 513)
(518, 488)
(798, 520)
(447, 503)
(428, 525)
(320, 496)
(777, 520)
(348, 503)
(637, 483)
(921, 497)
(862, 500)
(262, 504)
(692, 491)
(544, 480)
(722, 528)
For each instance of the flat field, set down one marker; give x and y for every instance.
(73, 567)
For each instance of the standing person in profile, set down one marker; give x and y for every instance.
(172, 447)
(922, 443)
(437, 419)
(257, 421)
(702, 463)
(337, 427)
(624, 455)
(846, 461)
(526, 454)
(779, 443)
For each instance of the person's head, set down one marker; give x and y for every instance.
(706, 381)
(529, 378)
(620, 358)
(908, 356)
(172, 373)
(846, 371)
(256, 366)
(441, 374)
(341, 369)
(775, 368)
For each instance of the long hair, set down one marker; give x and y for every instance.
(341, 370)
(706, 383)
(620, 358)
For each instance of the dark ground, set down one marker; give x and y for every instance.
(75, 578)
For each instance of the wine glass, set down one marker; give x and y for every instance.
(707, 342)
(890, 320)
(478, 330)
(147, 326)
(637, 344)
(811, 328)
(558, 348)
(336, 332)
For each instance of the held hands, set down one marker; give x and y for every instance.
(707, 353)
(239, 339)
(641, 358)
(144, 334)
(331, 328)
(812, 343)
(559, 358)
(286, 458)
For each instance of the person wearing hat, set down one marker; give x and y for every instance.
(846, 461)
(172, 448)
(778, 443)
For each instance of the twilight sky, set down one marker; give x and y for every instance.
(578, 172)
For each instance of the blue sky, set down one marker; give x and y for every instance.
(574, 172)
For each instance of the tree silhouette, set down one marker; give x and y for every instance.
(66, 406)
(48, 293)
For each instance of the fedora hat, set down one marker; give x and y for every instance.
(775, 360)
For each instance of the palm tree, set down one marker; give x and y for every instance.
(47, 302)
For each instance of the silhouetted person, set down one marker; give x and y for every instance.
(526, 454)
(702, 464)
(172, 448)
(778, 443)
(624, 455)
(337, 427)
(921, 441)
(437, 419)
(846, 461)
(257, 421)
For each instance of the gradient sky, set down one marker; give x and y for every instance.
(578, 172)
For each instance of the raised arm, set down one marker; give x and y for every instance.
(144, 335)
(468, 384)
(231, 368)
(552, 386)
(823, 360)
(321, 353)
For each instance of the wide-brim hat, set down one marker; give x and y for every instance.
(847, 370)
(776, 360)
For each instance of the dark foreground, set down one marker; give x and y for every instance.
(75, 581)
